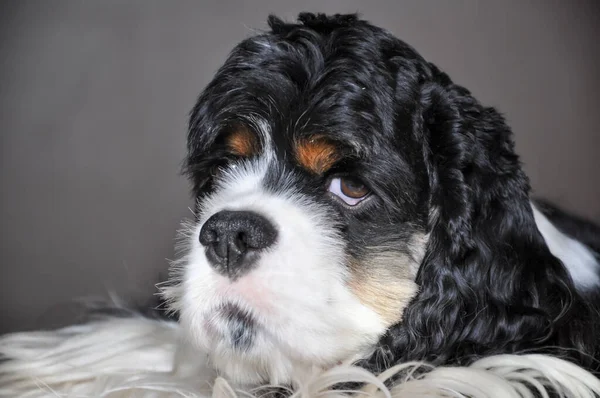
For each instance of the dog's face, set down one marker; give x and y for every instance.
(311, 219)
(352, 200)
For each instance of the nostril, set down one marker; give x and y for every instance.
(241, 241)
(221, 249)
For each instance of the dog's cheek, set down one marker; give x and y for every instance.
(385, 283)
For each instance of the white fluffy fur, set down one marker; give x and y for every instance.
(138, 357)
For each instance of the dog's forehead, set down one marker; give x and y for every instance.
(305, 87)
(316, 115)
(312, 102)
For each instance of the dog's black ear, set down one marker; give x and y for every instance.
(488, 283)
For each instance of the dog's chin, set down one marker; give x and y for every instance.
(232, 326)
(253, 342)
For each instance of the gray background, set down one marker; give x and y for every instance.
(94, 97)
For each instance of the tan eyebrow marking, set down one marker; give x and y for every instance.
(243, 142)
(316, 154)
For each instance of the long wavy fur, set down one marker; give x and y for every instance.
(489, 283)
(147, 358)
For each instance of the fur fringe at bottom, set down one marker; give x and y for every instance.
(140, 357)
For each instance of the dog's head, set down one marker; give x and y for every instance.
(343, 183)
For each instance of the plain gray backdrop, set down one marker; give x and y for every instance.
(94, 99)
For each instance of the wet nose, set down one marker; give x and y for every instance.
(233, 240)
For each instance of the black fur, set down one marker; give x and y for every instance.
(438, 162)
(241, 326)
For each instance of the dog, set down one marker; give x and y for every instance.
(355, 206)
(353, 202)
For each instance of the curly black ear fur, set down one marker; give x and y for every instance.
(488, 283)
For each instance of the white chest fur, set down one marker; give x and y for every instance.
(578, 258)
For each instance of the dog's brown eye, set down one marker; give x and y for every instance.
(351, 190)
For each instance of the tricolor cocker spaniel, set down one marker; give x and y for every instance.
(354, 206)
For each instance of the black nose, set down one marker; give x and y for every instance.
(233, 240)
